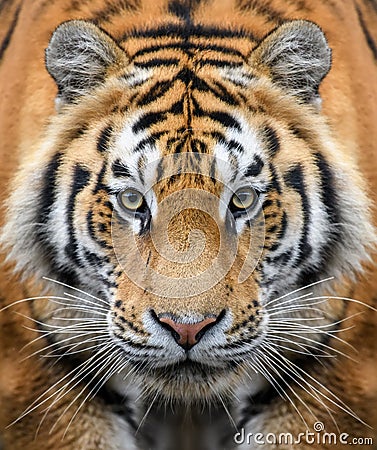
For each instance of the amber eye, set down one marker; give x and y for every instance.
(131, 199)
(243, 199)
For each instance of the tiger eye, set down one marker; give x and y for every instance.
(131, 199)
(244, 198)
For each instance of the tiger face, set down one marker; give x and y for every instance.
(188, 188)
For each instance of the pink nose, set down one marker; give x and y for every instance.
(187, 334)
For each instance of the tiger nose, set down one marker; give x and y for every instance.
(187, 334)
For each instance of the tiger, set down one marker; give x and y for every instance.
(188, 224)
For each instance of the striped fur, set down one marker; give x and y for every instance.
(187, 102)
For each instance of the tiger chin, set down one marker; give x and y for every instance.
(188, 225)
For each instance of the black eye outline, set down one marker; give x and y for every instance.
(238, 207)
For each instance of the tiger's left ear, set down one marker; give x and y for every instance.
(79, 57)
(297, 58)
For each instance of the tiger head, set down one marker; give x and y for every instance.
(187, 189)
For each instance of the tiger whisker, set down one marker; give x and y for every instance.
(24, 300)
(304, 350)
(296, 319)
(299, 289)
(295, 369)
(55, 327)
(227, 412)
(144, 418)
(290, 300)
(80, 307)
(36, 403)
(45, 334)
(305, 338)
(304, 329)
(55, 344)
(255, 365)
(74, 319)
(71, 350)
(309, 303)
(99, 384)
(268, 363)
(87, 301)
(79, 377)
(62, 392)
(295, 308)
(76, 289)
(276, 366)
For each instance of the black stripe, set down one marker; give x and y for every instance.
(183, 31)
(147, 120)
(93, 232)
(119, 169)
(272, 140)
(267, 203)
(81, 178)
(95, 260)
(8, 36)
(47, 200)
(329, 198)
(200, 85)
(186, 76)
(187, 47)
(218, 116)
(281, 259)
(368, 36)
(177, 108)
(157, 62)
(198, 146)
(283, 225)
(180, 9)
(220, 63)
(154, 93)
(150, 140)
(47, 197)
(225, 119)
(233, 145)
(216, 135)
(100, 185)
(262, 8)
(224, 95)
(104, 139)
(255, 168)
(145, 221)
(141, 167)
(274, 183)
(328, 191)
(160, 170)
(116, 8)
(294, 179)
(151, 118)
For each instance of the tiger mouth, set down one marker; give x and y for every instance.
(190, 371)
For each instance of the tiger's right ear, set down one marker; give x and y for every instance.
(79, 57)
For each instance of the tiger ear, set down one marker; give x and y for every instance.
(79, 57)
(297, 58)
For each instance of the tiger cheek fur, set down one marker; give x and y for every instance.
(190, 229)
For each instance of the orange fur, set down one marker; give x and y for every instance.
(349, 94)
